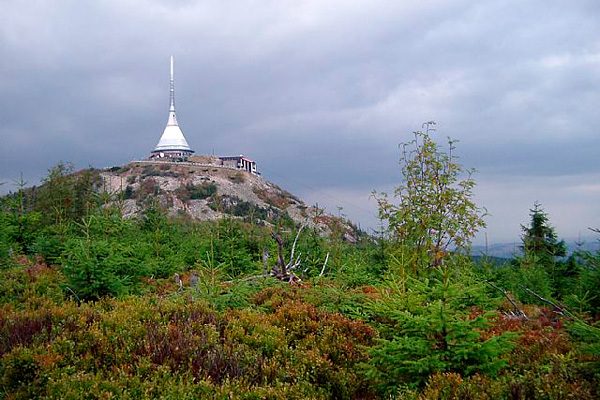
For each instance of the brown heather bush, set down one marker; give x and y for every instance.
(118, 347)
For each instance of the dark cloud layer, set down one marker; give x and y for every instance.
(320, 93)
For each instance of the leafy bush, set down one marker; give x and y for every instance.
(435, 211)
(28, 283)
(581, 292)
(129, 192)
(20, 375)
(49, 244)
(197, 192)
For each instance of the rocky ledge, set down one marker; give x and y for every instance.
(205, 191)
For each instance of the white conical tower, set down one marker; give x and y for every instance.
(172, 143)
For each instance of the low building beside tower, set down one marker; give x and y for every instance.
(239, 162)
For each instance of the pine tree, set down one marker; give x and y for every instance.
(544, 270)
(540, 240)
(428, 326)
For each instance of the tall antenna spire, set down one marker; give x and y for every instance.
(172, 143)
(172, 108)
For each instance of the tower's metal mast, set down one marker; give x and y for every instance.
(172, 143)
(172, 108)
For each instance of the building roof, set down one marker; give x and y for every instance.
(240, 157)
(172, 137)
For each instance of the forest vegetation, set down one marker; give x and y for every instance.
(95, 305)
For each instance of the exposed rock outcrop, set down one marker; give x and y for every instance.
(204, 191)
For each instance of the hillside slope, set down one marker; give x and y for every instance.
(208, 192)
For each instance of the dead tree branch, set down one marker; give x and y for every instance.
(324, 265)
(282, 270)
(178, 282)
(295, 242)
(287, 271)
(280, 262)
(520, 313)
(561, 310)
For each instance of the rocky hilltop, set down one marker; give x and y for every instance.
(204, 190)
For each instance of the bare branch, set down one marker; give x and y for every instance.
(296, 241)
(74, 294)
(519, 312)
(557, 309)
(324, 264)
(280, 262)
(178, 282)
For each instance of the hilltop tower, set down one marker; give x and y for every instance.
(172, 143)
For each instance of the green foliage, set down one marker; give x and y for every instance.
(18, 227)
(49, 243)
(129, 192)
(540, 240)
(27, 283)
(89, 307)
(588, 337)
(65, 196)
(20, 375)
(435, 211)
(211, 287)
(95, 269)
(517, 279)
(542, 249)
(433, 325)
(8, 231)
(197, 192)
(232, 248)
(250, 212)
(580, 289)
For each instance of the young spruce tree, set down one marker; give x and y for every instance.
(540, 240)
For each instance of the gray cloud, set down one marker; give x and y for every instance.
(319, 93)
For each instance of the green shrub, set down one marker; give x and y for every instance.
(20, 375)
(202, 191)
(97, 268)
(517, 279)
(49, 245)
(433, 325)
(23, 285)
(7, 233)
(129, 192)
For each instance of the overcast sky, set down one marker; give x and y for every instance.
(319, 93)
